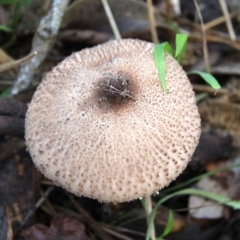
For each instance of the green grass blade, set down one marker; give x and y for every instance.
(180, 41)
(199, 97)
(167, 48)
(189, 191)
(209, 78)
(211, 196)
(173, 26)
(25, 3)
(197, 178)
(5, 28)
(159, 58)
(169, 225)
(8, 1)
(5, 92)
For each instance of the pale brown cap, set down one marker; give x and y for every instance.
(100, 125)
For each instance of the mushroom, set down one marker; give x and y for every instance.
(100, 125)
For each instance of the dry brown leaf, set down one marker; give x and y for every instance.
(62, 228)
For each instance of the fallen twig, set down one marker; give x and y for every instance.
(211, 35)
(227, 17)
(218, 21)
(111, 19)
(42, 42)
(204, 40)
(16, 63)
(152, 22)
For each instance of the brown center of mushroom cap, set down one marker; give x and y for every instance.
(100, 125)
(114, 90)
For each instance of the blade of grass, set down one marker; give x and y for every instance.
(26, 2)
(159, 58)
(212, 196)
(180, 43)
(5, 92)
(195, 179)
(167, 48)
(209, 78)
(5, 28)
(173, 26)
(7, 1)
(201, 96)
(169, 225)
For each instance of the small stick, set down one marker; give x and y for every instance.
(111, 19)
(96, 226)
(16, 63)
(169, 9)
(37, 205)
(204, 42)
(152, 22)
(116, 234)
(211, 35)
(121, 93)
(218, 21)
(227, 20)
(207, 89)
(43, 40)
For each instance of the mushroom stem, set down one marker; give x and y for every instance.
(148, 209)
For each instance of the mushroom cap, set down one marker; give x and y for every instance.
(100, 125)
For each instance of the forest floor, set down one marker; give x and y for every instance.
(32, 207)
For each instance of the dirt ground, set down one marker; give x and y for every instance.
(33, 208)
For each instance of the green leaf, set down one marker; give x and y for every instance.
(159, 58)
(167, 48)
(169, 225)
(5, 28)
(199, 97)
(8, 1)
(180, 41)
(209, 78)
(189, 191)
(173, 26)
(5, 92)
(25, 3)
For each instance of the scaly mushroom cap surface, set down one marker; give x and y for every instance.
(100, 125)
